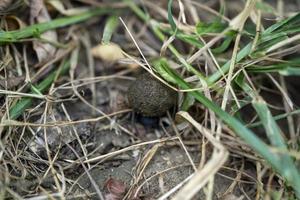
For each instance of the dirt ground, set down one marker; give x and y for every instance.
(147, 170)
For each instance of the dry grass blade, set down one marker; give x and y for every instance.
(203, 175)
(128, 149)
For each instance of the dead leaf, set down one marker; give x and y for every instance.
(39, 14)
(35, 8)
(14, 23)
(4, 4)
(11, 82)
(108, 52)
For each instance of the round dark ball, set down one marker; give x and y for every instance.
(149, 97)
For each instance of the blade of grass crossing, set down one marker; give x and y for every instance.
(154, 25)
(224, 69)
(277, 117)
(26, 102)
(36, 29)
(289, 172)
(283, 25)
(170, 16)
(273, 131)
(110, 27)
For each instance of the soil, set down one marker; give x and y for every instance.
(168, 167)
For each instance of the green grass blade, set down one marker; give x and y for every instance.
(288, 168)
(283, 25)
(274, 34)
(110, 27)
(193, 39)
(218, 74)
(271, 128)
(286, 68)
(214, 27)
(37, 29)
(289, 172)
(190, 39)
(277, 117)
(159, 34)
(265, 7)
(170, 16)
(225, 44)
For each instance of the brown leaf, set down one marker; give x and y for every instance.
(39, 14)
(11, 82)
(4, 4)
(14, 23)
(10, 6)
(35, 8)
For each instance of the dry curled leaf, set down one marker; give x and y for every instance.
(11, 82)
(14, 23)
(108, 52)
(39, 14)
(4, 4)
